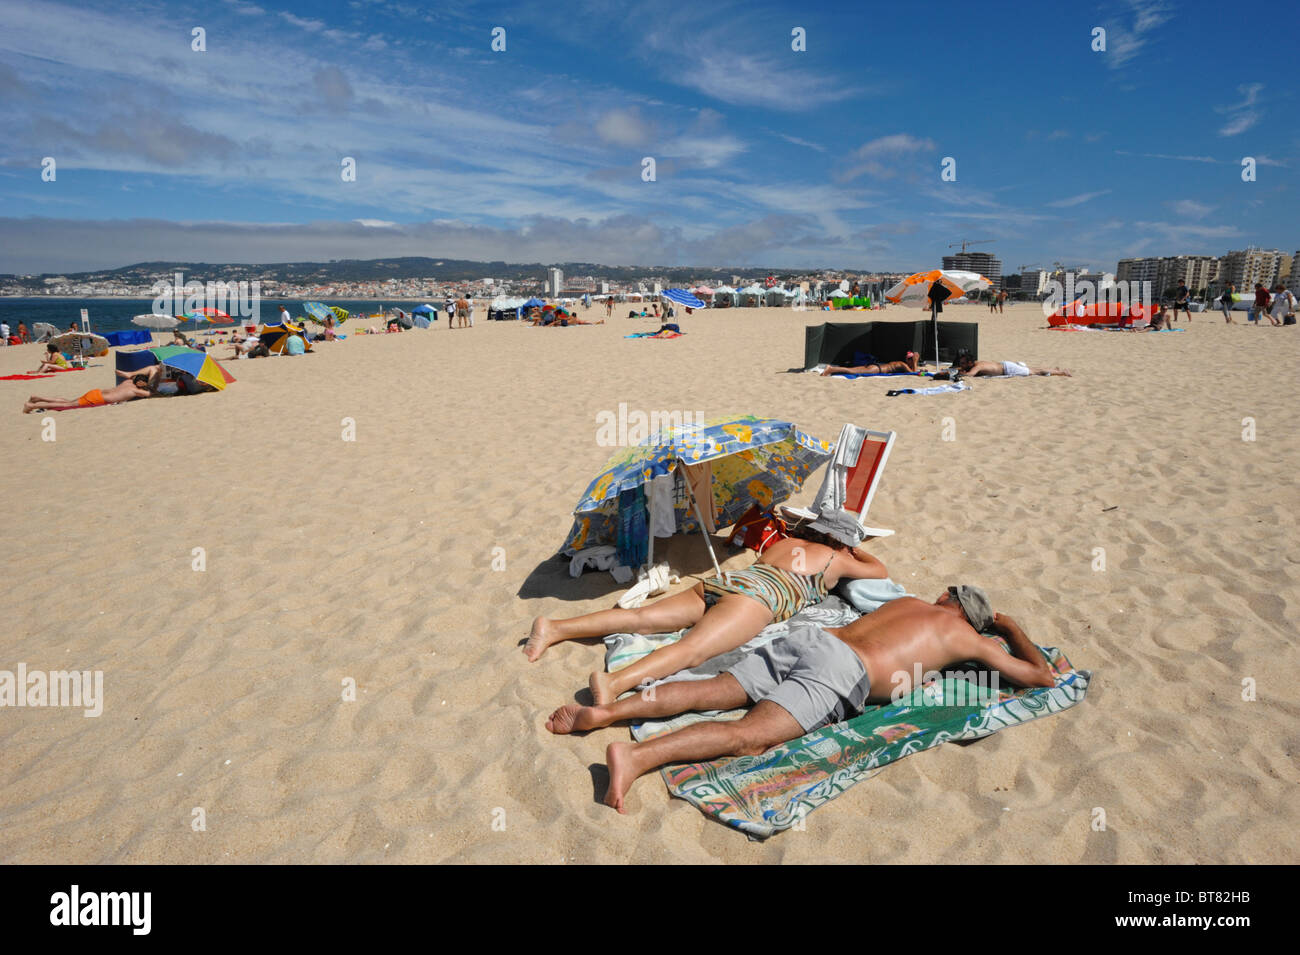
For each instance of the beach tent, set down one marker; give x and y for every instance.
(130, 336)
(751, 296)
(776, 297)
(725, 296)
(857, 343)
(426, 310)
(702, 292)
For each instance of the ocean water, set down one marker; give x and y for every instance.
(115, 314)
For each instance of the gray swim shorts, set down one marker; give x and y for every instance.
(810, 673)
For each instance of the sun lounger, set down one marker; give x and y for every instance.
(852, 475)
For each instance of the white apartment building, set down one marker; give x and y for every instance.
(1033, 282)
(554, 281)
(1245, 267)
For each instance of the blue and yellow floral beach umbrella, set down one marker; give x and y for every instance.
(749, 461)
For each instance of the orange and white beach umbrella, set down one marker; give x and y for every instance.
(914, 291)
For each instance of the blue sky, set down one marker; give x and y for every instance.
(764, 155)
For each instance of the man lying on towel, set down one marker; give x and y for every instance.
(141, 384)
(966, 365)
(810, 678)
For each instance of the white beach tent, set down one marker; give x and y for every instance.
(751, 296)
(725, 293)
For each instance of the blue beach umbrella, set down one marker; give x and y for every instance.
(318, 310)
(682, 297)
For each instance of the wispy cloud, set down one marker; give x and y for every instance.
(1241, 116)
(1078, 200)
(886, 157)
(1190, 208)
(1127, 35)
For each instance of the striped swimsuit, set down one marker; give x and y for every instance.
(783, 592)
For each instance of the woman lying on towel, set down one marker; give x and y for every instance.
(906, 367)
(723, 613)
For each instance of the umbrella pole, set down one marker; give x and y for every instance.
(695, 504)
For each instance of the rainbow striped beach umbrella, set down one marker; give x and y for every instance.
(194, 363)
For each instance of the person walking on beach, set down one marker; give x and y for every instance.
(1225, 303)
(1181, 302)
(609, 307)
(1261, 303)
(723, 613)
(1283, 304)
(810, 678)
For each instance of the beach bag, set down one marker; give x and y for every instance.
(757, 529)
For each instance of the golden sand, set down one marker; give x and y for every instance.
(372, 560)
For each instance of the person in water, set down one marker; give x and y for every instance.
(810, 678)
(723, 613)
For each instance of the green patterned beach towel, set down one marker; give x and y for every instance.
(762, 795)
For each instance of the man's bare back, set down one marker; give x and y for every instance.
(908, 635)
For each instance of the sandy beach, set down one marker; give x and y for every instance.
(371, 560)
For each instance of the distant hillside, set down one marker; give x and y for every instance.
(409, 267)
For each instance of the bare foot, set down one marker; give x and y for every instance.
(621, 774)
(28, 407)
(601, 690)
(827, 370)
(573, 718)
(541, 637)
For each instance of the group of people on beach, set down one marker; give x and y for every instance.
(964, 366)
(799, 682)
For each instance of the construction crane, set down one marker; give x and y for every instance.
(966, 242)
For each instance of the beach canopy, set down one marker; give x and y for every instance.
(162, 323)
(43, 331)
(341, 314)
(682, 297)
(860, 343)
(188, 361)
(702, 290)
(424, 310)
(736, 462)
(534, 303)
(317, 310)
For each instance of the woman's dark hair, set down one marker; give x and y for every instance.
(259, 351)
(805, 532)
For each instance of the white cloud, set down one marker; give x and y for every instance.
(1190, 208)
(1125, 41)
(886, 157)
(1077, 200)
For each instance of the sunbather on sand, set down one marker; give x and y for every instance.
(907, 367)
(141, 384)
(808, 679)
(968, 366)
(53, 360)
(722, 613)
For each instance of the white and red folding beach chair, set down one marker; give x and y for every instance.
(840, 508)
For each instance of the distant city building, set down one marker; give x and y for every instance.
(1245, 267)
(554, 281)
(985, 263)
(1033, 282)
